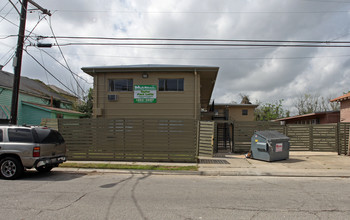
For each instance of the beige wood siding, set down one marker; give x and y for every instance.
(235, 113)
(169, 104)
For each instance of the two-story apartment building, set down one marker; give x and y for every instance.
(151, 91)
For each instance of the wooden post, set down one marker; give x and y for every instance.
(349, 142)
(311, 138)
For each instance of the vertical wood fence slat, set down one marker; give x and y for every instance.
(206, 138)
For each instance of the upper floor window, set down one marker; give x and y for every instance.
(171, 84)
(120, 85)
(245, 112)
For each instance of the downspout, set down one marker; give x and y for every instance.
(95, 96)
(195, 94)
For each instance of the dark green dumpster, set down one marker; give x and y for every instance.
(269, 146)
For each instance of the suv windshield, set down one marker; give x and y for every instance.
(46, 136)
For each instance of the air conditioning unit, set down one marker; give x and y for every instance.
(112, 97)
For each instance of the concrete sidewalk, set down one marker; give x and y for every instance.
(299, 164)
(303, 164)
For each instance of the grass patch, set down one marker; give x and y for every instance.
(127, 167)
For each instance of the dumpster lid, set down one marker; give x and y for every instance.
(271, 135)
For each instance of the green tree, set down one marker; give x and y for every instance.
(86, 105)
(309, 103)
(270, 111)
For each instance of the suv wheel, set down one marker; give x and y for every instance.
(44, 169)
(10, 168)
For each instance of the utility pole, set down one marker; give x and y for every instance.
(17, 62)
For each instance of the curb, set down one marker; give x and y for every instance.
(127, 171)
(208, 173)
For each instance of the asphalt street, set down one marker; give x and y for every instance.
(93, 195)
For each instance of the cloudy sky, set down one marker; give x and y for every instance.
(265, 73)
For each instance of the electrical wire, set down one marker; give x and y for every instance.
(200, 12)
(205, 45)
(195, 39)
(42, 60)
(51, 74)
(4, 17)
(4, 6)
(26, 37)
(7, 53)
(14, 6)
(41, 50)
(50, 25)
(9, 59)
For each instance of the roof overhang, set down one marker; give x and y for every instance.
(207, 74)
(235, 105)
(341, 98)
(307, 115)
(53, 109)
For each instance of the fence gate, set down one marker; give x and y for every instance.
(206, 138)
(224, 136)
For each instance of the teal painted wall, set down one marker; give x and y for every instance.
(33, 116)
(6, 97)
(27, 114)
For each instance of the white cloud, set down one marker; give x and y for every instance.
(266, 74)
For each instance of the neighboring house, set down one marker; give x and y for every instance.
(344, 107)
(36, 101)
(234, 112)
(70, 97)
(151, 91)
(312, 118)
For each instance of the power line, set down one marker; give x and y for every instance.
(193, 39)
(200, 12)
(205, 45)
(42, 60)
(192, 58)
(50, 73)
(63, 65)
(7, 52)
(14, 6)
(9, 59)
(26, 37)
(4, 18)
(50, 25)
(4, 6)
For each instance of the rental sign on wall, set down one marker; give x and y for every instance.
(145, 94)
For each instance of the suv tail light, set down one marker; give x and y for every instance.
(36, 152)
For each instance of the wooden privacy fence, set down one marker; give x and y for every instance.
(321, 137)
(206, 138)
(243, 131)
(130, 139)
